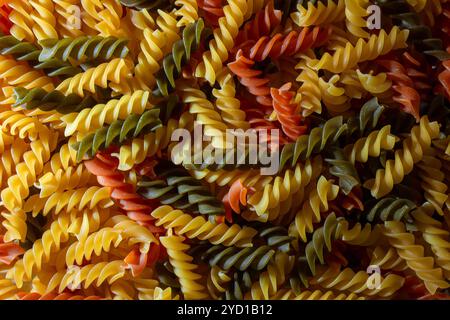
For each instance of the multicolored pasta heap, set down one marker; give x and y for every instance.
(94, 206)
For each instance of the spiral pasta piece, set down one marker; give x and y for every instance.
(22, 20)
(432, 182)
(94, 118)
(414, 256)
(190, 227)
(279, 190)
(320, 14)
(434, 233)
(95, 273)
(355, 12)
(348, 280)
(316, 203)
(188, 12)
(286, 111)
(228, 104)
(113, 71)
(19, 184)
(44, 19)
(405, 158)
(372, 145)
(34, 258)
(183, 267)
(349, 56)
(270, 280)
(229, 24)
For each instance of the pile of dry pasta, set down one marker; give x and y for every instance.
(94, 206)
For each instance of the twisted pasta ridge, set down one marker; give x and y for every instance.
(358, 235)
(26, 51)
(147, 4)
(367, 120)
(270, 280)
(285, 109)
(282, 187)
(61, 180)
(343, 169)
(349, 56)
(414, 256)
(64, 158)
(316, 203)
(20, 125)
(105, 17)
(188, 12)
(95, 243)
(113, 71)
(320, 14)
(256, 258)
(348, 280)
(435, 234)
(321, 239)
(197, 227)
(85, 276)
(34, 258)
(180, 55)
(16, 73)
(79, 198)
(211, 10)
(19, 184)
(421, 36)
(334, 97)
(180, 190)
(88, 119)
(53, 100)
(432, 182)
(117, 132)
(44, 19)
(285, 45)
(249, 178)
(276, 237)
(151, 144)
(84, 48)
(264, 21)
(355, 12)
(9, 160)
(223, 42)
(374, 84)
(154, 45)
(104, 167)
(228, 104)
(183, 267)
(8, 289)
(310, 92)
(314, 142)
(205, 114)
(391, 208)
(5, 23)
(407, 96)
(321, 295)
(217, 282)
(133, 232)
(252, 79)
(405, 158)
(21, 19)
(371, 146)
(387, 259)
(55, 296)
(65, 20)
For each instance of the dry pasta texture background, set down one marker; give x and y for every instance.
(93, 204)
